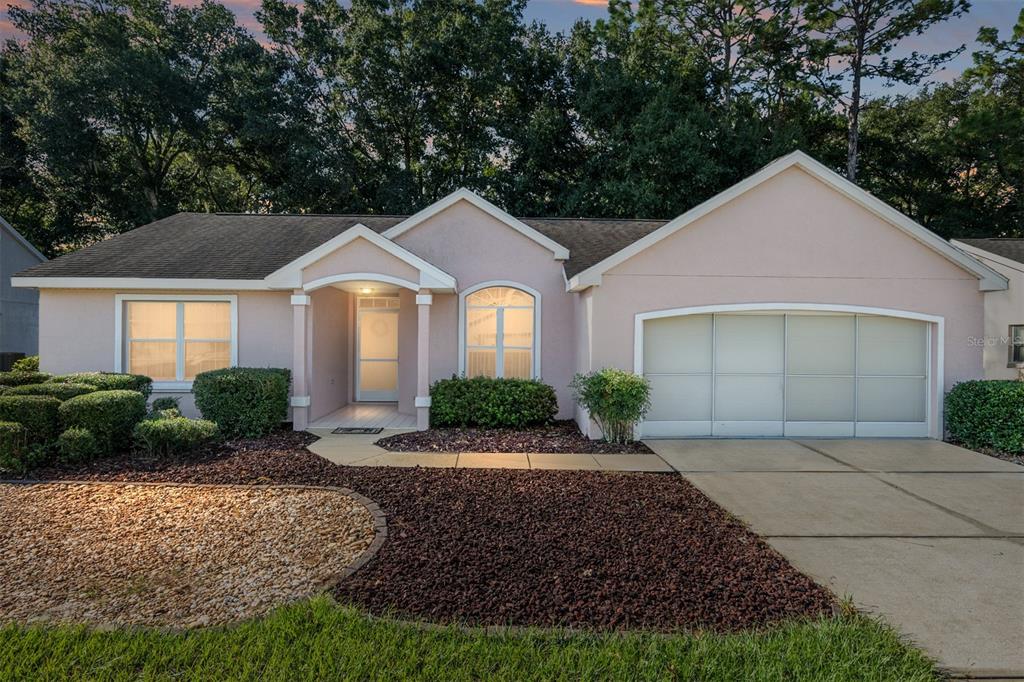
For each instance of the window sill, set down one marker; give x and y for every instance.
(172, 386)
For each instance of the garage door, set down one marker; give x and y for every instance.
(786, 374)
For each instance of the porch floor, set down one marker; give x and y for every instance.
(367, 416)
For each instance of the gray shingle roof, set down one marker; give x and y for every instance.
(1005, 247)
(246, 246)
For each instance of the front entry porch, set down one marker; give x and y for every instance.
(366, 416)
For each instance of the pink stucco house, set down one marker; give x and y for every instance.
(792, 304)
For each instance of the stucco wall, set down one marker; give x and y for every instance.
(19, 308)
(1002, 308)
(474, 247)
(330, 380)
(359, 255)
(790, 240)
(76, 331)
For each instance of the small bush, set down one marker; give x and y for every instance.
(164, 403)
(77, 445)
(109, 415)
(109, 381)
(27, 364)
(987, 414)
(13, 446)
(491, 403)
(22, 378)
(243, 401)
(617, 400)
(173, 435)
(170, 413)
(60, 391)
(37, 413)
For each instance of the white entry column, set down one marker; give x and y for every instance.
(423, 301)
(300, 378)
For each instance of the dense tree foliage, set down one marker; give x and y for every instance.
(114, 113)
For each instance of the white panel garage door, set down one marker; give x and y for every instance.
(786, 374)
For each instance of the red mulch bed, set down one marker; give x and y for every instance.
(546, 548)
(562, 436)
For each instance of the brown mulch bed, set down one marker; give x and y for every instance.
(546, 548)
(562, 436)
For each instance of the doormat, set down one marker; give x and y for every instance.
(356, 430)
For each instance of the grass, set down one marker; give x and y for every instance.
(320, 639)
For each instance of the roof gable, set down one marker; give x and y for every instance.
(558, 251)
(7, 227)
(988, 278)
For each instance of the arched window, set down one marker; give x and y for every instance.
(500, 333)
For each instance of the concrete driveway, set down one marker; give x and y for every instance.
(926, 534)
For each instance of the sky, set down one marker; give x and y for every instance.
(560, 15)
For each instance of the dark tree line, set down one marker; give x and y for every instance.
(114, 113)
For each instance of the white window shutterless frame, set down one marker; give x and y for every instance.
(499, 331)
(818, 372)
(195, 335)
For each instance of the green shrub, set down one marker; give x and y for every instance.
(243, 401)
(58, 390)
(37, 413)
(109, 415)
(109, 381)
(173, 434)
(26, 364)
(164, 403)
(22, 378)
(170, 413)
(13, 446)
(987, 414)
(491, 403)
(617, 400)
(77, 445)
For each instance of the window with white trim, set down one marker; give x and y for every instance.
(1016, 345)
(500, 326)
(170, 340)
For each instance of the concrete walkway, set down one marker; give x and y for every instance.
(359, 450)
(926, 534)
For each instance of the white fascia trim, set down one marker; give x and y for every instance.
(360, 277)
(21, 240)
(536, 320)
(290, 276)
(983, 255)
(463, 194)
(119, 300)
(989, 279)
(938, 384)
(140, 283)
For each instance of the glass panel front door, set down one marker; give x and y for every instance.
(377, 335)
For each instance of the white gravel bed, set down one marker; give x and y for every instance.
(167, 555)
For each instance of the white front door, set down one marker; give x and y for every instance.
(377, 349)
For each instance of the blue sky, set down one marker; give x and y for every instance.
(560, 15)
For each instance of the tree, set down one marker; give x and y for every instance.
(857, 38)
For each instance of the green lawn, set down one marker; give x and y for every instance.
(320, 639)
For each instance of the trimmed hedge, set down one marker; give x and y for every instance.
(243, 401)
(987, 414)
(109, 415)
(26, 364)
(58, 390)
(23, 378)
(77, 445)
(37, 413)
(164, 403)
(109, 381)
(13, 446)
(171, 435)
(491, 403)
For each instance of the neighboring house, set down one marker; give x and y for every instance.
(19, 308)
(794, 303)
(1004, 310)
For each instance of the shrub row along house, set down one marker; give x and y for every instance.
(792, 304)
